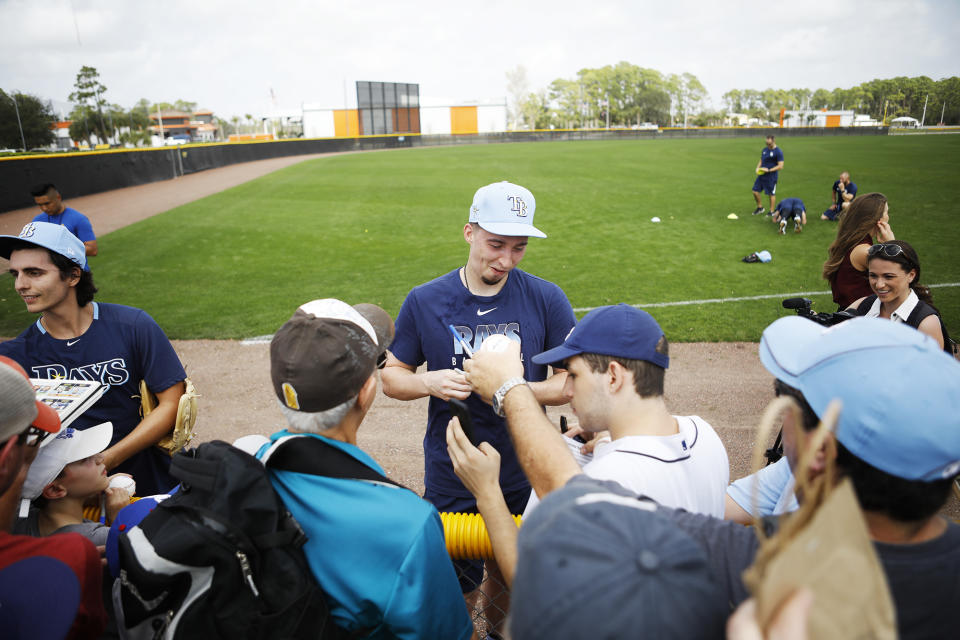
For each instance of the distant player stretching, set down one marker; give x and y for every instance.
(768, 169)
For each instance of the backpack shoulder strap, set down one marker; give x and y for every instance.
(316, 457)
(922, 311)
(866, 304)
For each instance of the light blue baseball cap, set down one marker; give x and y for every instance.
(55, 237)
(505, 209)
(900, 391)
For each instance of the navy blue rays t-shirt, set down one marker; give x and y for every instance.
(528, 309)
(122, 346)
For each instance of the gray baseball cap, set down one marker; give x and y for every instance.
(593, 542)
(323, 355)
(19, 407)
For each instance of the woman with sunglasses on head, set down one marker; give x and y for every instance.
(867, 217)
(893, 270)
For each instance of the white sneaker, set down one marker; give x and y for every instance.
(796, 226)
(783, 227)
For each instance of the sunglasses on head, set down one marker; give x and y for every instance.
(32, 437)
(884, 249)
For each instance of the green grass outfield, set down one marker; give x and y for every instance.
(368, 227)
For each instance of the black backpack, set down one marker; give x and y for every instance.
(222, 557)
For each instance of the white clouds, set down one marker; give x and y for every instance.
(227, 55)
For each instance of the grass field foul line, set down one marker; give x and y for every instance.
(266, 339)
(683, 303)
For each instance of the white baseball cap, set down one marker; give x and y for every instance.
(68, 446)
(505, 209)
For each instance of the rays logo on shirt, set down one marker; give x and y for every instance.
(476, 335)
(108, 372)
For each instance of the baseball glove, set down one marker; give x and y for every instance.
(186, 416)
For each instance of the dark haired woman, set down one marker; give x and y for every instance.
(893, 270)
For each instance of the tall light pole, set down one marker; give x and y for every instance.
(16, 109)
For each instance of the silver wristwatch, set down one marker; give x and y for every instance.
(502, 392)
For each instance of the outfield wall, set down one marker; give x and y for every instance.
(83, 173)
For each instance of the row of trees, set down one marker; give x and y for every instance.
(33, 115)
(93, 119)
(625, 94)
(892, 97)
(618, 95)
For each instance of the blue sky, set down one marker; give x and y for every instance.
(226, 56)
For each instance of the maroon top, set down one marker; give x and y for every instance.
(848, 284)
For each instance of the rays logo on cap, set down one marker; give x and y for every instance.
(290, 396)
(28, 230)
(66, 434)
(519, 206)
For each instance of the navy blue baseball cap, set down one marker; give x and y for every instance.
(642, 575)
(620, 331)
(40, 595)
(899, 390)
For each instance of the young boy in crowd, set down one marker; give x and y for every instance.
(67, 473)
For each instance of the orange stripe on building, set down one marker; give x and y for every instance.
(346, 123)
(463, 120)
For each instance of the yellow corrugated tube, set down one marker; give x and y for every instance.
(95, 512)
(466, 536)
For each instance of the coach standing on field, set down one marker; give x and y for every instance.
(768, 170)
(486, 296)
(54, 211)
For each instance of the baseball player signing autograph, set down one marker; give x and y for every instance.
(79, 339)
(487, 296)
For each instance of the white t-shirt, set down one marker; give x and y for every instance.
(688, 470)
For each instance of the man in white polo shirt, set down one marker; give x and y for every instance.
(616, 360)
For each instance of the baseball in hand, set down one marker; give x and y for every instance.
(497, 343)
(124, 482)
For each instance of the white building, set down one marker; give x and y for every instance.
(437, 117)
(818, 118)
